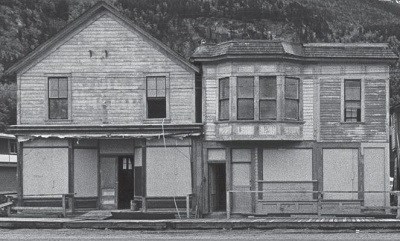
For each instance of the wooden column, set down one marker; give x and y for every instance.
(20, 189)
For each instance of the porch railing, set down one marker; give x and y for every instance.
(316, 197)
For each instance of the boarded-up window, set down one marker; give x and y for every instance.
(340, 171)
(224, 99)
(268, 97)
(292, 98)
(245, 98)
(352, 100)
(168, 171)
(156, 97)
(58, 98)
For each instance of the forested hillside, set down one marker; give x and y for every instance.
(182, 24)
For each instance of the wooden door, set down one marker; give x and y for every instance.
(125, 181)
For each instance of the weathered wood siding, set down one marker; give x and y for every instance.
(111, 88)
(374, 127)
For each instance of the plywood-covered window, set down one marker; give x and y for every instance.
(292, 100)
(156, 97)
(58, 98)
(268, 89)
(224, 99)
(352, 100)
(245, 98)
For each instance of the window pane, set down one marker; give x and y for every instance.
(63, 88)
(151, 87)
(224, 88)
(224, 109)
(245, 109)
(267, 109)
(53, 88)
(352, 111)
(292, 109)
(292, 88)
(160, 86)
(58, 108)
(267, 87)
(156, 108)
(245, 87)
(352, 89)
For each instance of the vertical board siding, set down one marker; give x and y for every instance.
(117, 80)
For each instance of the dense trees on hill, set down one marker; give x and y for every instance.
(182, 24)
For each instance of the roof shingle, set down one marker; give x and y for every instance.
(313, 50)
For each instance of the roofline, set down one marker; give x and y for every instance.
(290, 57)
(86, 16)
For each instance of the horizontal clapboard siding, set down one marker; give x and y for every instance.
(373, 127)
(117, 80)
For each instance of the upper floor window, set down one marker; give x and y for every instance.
(58, 98)
(156, 97)
(292, 98)
(352, 100)
(267, 97)
(224, 99)
(245, 98)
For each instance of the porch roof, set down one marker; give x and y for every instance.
(106, 131)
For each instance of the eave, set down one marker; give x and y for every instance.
(107, 130)
(292, 58)
(98, 8)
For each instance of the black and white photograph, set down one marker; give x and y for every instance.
(199, 120)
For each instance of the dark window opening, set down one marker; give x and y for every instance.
(352, 100)
(268, 89)
(224, 99)
(292, 98)
(58, 98)
(156, 97)
(245, 98)
(13, 147)
(198, 93)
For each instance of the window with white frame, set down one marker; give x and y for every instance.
(58, 97)
(224, 99)
(156, 97)
(245, 98)
(292, 100)
(267, 101)
(352, 100)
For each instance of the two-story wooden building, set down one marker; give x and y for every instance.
(296, 117)
(108, 112)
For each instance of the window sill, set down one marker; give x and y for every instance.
(261, 121)
(353, 123)
(157, 121)
(57, 121)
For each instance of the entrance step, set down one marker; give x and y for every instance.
(96, 215)
(216, 215)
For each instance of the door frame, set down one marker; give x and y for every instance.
(119, 158)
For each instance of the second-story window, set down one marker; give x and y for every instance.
(292, 98)
(268, 97)
(58, 98)
(224, 99)
(245, 98)
(352, 100)
(156, 97)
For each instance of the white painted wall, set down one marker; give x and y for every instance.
(45, 171)
(340, 173)
(168, 171)
(85, 172)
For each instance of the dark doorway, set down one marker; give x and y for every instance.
(125, 181)
(217, 186)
